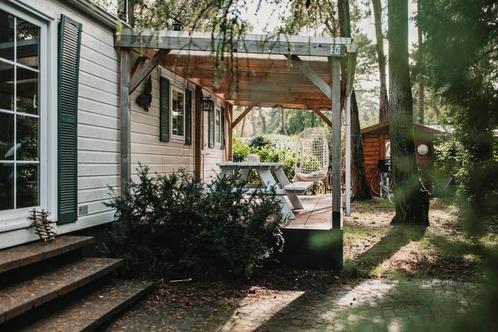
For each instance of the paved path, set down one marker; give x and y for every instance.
(363, 305)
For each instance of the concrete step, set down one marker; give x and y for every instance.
(93, 310)
(17, 257)
(26, 295)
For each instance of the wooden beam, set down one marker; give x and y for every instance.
(242, 116)
(137, 65)
(124, 106)
(145, 70)
(249, 43)
(229, 146)
(335, 72)
(322, 116)
(311, 75)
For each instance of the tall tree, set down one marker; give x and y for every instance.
(420, 71)
(381, 59)
(410, 199)
(461, 53)
(360, 186)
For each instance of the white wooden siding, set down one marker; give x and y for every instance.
(161, 157)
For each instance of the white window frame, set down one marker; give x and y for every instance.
(47, 113)
(217, 126)
(174, 88)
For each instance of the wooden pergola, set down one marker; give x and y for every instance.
(260, 70)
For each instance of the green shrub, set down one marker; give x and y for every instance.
(240, 150)
(260, 142)
(173, 225)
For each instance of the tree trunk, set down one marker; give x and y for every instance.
(282, 117)
(360, 188)
(242, 126)
(381, 59)
(410, 200)
(420, 62)
(263, 120)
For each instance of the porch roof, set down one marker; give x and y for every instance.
(262, 70)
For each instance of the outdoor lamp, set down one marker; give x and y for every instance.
(207, 104)
(177, 25)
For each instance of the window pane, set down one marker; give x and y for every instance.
(218, 127)
(27, 185)
(6, 136)
(6, 35)
(27, 138)
(6, 86)
(178, 114)
(6, 186)
(28, 38)
(27, 91)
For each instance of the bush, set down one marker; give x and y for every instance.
(172, 225)
(266, 152)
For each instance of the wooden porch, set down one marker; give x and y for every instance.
(317, 213)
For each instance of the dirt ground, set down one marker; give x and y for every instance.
(376, 255)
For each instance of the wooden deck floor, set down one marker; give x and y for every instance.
(317, 213)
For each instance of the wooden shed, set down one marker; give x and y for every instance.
(377, 146)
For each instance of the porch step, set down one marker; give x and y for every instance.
(92, 310)
(26, 295)
(14, 258)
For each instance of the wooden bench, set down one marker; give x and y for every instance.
(299, 187)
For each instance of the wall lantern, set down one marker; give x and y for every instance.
(207, 104)
(177, 25)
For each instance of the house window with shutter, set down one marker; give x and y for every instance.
(177, 113)
(20, 129)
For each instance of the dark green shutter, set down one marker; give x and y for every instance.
(211, 128)
(222, 129)
(68, 78)
(164, 109)
(188, 117)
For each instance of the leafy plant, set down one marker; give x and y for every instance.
(174, 225)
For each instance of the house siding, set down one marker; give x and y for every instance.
(98, 121)
(146, 148)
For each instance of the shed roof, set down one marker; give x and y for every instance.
(383, 127)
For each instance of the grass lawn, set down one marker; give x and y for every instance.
(373, 248)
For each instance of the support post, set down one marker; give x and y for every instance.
(124, 106)
(229, 146)
(335, 69)
(146, 69)
(349, 90)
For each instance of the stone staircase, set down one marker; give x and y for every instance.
(52, 287)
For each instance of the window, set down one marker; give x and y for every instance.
(217, 126)
(178, 113)
(19, 113)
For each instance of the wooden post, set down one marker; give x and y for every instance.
(229, 146)
(198, 132)
(124, 105)
(335, 69)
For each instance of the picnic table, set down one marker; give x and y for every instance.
(272, 175)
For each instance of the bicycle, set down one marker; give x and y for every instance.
(381, 183)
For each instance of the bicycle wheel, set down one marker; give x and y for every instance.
(375, 184)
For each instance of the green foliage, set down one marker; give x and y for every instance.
(260, 142)
(267, 152)
(460, 59)
(172, 224)
(450, 164)
(240, 150)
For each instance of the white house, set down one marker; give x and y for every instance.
(60, 137)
